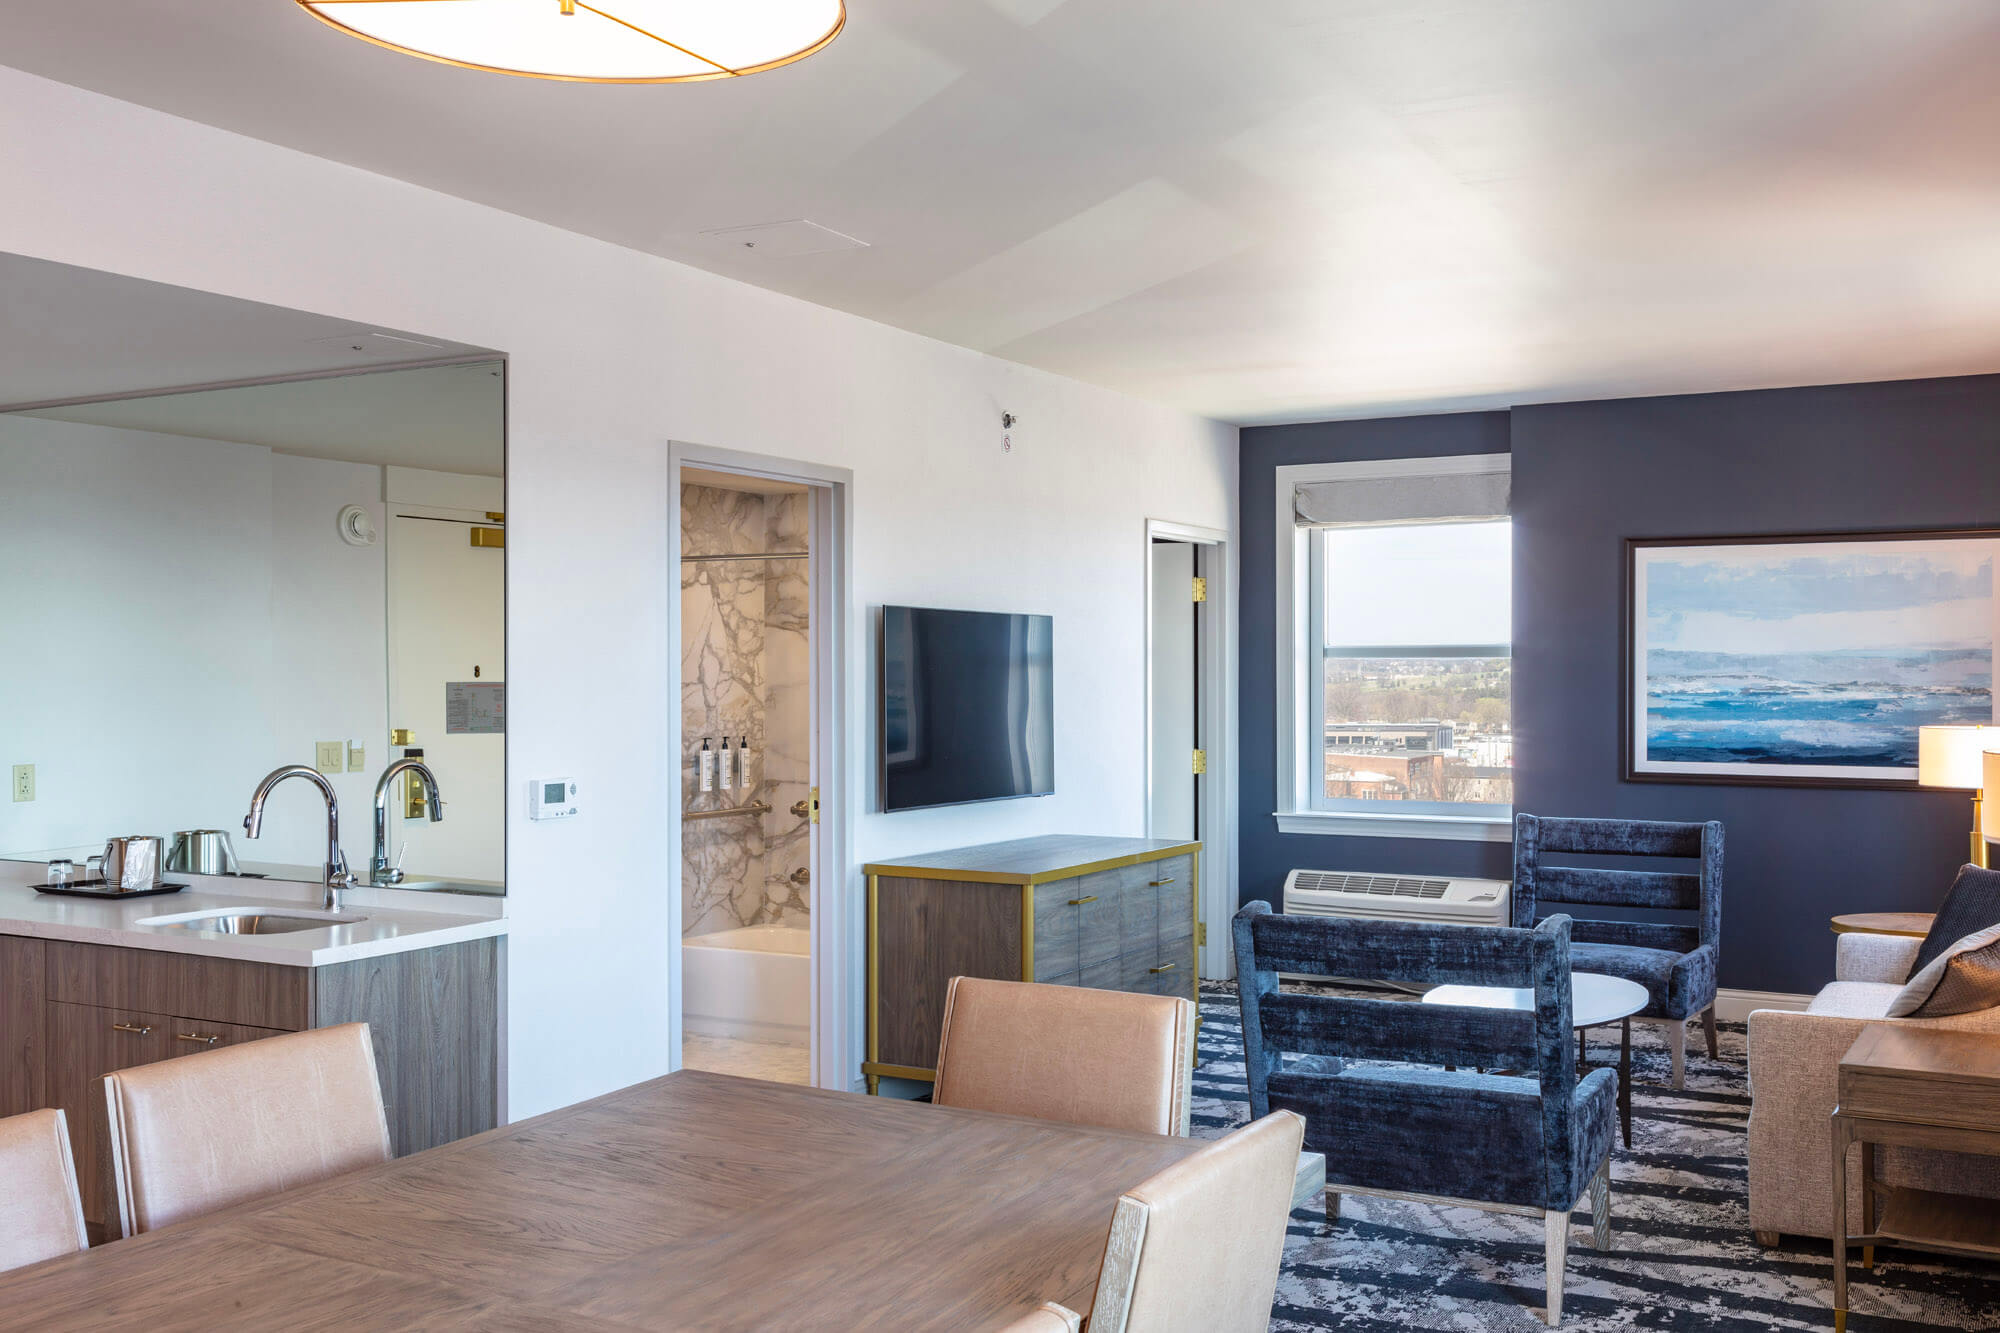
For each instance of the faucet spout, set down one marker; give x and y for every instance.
(379, 869)
(336, 876)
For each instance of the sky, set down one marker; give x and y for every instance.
(1420, 584)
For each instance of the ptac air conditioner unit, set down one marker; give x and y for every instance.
(1465, 902)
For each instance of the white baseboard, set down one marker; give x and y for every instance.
(1733, 1006)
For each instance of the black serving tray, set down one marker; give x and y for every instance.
(97, 888)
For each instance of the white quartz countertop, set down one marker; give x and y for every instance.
(372, 928)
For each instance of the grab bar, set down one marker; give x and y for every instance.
(754, 808)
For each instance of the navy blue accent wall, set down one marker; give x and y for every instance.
(1266, 854)
(1857, 457)
(1913, 454)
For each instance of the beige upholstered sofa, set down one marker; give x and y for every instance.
(1794, 1082)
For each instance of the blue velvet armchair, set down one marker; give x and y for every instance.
(1675, 961)
(1426, 1126)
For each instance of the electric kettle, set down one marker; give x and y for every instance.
(202, 851)
(132, 863)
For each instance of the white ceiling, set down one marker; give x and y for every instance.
(68, 332)
(1265, 210)
(447, 418)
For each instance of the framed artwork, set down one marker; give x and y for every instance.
(1805, 660)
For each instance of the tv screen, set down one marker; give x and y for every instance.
(967, 707)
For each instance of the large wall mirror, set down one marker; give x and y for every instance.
(292, 553)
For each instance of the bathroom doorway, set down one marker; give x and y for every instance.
(759, 888)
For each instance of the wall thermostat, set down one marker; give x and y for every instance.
(551, 798)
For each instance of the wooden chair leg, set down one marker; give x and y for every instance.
(1768, 1239)
(1556, 1224)
(1600, 1208)
(1332, 1206)
(1708, 1027)
(1677, 1051)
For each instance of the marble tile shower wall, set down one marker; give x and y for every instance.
(744, 663)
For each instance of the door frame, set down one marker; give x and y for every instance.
(835, 1020)
(1215, 730)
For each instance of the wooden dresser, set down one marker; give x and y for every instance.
(1066, 910)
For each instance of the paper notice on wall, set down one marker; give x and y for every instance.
(475, 708)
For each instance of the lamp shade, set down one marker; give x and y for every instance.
(608, 41)
(1954, 756)
(1990, 810)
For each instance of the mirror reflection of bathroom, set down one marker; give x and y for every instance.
(746, 727)
(294, 555)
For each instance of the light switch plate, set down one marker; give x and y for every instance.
(24, 782)
(330, 756)
(357, 757)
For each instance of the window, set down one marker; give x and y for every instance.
(1401, 663)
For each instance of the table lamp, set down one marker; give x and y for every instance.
(1991, 819)
(1956, 757)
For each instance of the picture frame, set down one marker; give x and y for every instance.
(1804, 659)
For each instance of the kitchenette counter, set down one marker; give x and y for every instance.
(377, 922)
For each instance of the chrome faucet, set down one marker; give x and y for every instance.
(337, 876)
(379, 871)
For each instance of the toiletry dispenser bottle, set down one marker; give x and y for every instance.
(743, 778)
(724, 777)
(705, 764)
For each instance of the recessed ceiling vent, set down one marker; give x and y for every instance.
(781, 239)
(379, 346)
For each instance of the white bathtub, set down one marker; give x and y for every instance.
(753, 983)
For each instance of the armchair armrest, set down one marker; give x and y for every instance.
(1874, 957)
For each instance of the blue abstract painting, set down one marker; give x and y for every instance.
(1808, 659)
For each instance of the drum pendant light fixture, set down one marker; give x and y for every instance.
(594, 41)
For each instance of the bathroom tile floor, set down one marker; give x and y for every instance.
(747, 1059)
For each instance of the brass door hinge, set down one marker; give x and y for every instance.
(1201, 934)
(1201, 590)
(812, 798)
(1200, 762)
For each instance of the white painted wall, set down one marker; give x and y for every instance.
(181, 618)
(614, 354)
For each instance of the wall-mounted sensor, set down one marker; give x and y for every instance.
(357, 526)
(552, 798)
(1007, 420)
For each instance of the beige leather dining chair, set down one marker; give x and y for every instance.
(1196, 1249)
(192, 1135)
(41, 1216)
(1084, 1057)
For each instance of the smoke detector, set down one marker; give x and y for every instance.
(782, 239)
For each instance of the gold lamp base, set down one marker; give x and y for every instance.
(1981, 849)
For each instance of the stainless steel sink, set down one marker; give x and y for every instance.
(250, 923)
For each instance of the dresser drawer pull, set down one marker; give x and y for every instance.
(1161, 883)
(136, 1029)
(197, 1038)
(1163, 967)
(1078, 902)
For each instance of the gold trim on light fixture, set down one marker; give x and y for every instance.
(316, 8)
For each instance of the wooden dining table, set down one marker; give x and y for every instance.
(694, 1201)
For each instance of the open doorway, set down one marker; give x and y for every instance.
(759, 884)
(1190, 791)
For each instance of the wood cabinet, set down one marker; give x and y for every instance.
(71, 1013)
(1107, 913)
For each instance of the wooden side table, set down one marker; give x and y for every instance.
(1917, 924)
(1915, 1088)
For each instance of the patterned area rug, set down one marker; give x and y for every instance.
(1681, 1254)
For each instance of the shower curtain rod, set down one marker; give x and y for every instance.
(749, 555)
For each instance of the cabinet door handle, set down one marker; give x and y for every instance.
(1163, 967)
(1078, 902)
(1159, 883)
(197, 1038)
(136, 1029)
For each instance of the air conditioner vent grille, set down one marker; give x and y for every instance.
(1380, 886)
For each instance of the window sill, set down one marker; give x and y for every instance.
(1437, 828)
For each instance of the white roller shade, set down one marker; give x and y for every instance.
(1448, 490)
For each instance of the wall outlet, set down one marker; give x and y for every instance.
(357, 757)
(330, 756)
(24, 782)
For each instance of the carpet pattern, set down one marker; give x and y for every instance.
(1681, 1255)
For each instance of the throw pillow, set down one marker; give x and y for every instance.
(1963, 980)
(1973, 904)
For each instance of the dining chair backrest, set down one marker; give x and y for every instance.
(1196, 1249)
(202, 1132)
(1540, 885)
(41, 1216)
(1114, 1059)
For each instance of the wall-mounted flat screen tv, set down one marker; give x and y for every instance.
(967, 707)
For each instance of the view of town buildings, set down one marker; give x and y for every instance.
(1419, 729)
